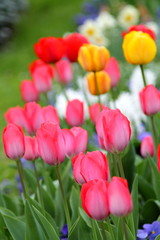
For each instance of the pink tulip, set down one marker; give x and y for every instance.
(42, 75)
(94, 111)
(120, 200)
(34, 117)
(147, 146)
(50, 114)
(93, 165)
(13, 141)
(75, 113)
(31, 148)
(94, 196)
(64, 70)
(80, 139)
(28, 90)
(150, 100)
(51, 144)
(113, 129)
(69, 141)
(113, 71)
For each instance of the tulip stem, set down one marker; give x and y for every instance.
(63, 90)
(154, 135)
(124, 229)
(39, 187)
(115, 164)
(110, 229)
(94, 230)
(97, 92)
(64, 198)
(143, 75)
(20, 171)
(120, 165)
(103, 230)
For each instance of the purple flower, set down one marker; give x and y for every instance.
(143, 135)
(149, 230)
(64, 232)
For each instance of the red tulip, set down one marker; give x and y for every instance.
(31, 148)
(113, 129)
(158, 158)
(113, 70)
(13, 141)
(75, 113)
(64, 71)
(50, 114)
(42, 75)
(51, 144)
(73, 43)
(141, 28)
(50, 49)
(94, 111)
(94, 196)
(28, 90)
(80, 139)
(150, 100)
(93, 165)
(147, 146)
(120, 200)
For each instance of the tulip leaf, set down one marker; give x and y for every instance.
(11, 203)
(30, 179)
(84, 232)
(73, 228)
(85, 217)
(48, 201)
(158, 237)
(155, 177)
(145, 188)
(74, 202)
(134, 216)
(150, 211)
(119, 230)
(129, 233)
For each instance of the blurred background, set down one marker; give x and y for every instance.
(23, 22)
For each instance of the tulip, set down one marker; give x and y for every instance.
(113, 70)
(50, 49)
(158, 158)
(64, 70)
(73, 43)
(141, 28)
(80, 139)
(113, 129)
(51, 144)
(93, 165)
(98, 83)
(42, 75)
(75, 113)
(94, 196)
(13, 141)
(139, 48)
(31, 148)
(120, 200)
(147, 147)
(69, 141)
(94, 111)
(28, 90)
(150, 100)
(50, 114)
(93, 58)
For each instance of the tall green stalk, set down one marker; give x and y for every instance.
(143, 75)
(21, 175)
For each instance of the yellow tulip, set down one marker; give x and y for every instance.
(139, 47)
(98, 82)
(93, 58)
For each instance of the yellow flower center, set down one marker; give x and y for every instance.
(153, 232)
(90, 32)
(128, 18)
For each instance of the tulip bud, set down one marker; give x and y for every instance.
(113, 70)
(73, 42)
(64, 70)
(13, 141)
(147, 147)
(94, 196)
(28, 90)
(120, 200)
(69, 141)
(139, 47)
(50, 49)
(150, 100)
(42, 75)
(98, 82)
(93, 165)
(93, 58)
(50, 114)
(31, 148)
(113, 129)
(75, 113)
(80, 139)
(94, 111)
(51, 144)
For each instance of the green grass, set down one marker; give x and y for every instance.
(42, 18)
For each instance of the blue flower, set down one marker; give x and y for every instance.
(149, 230)
(64, 232)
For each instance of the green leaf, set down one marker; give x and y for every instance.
(129, 233)
(158, 237)
(74, 202)
(15, 227)
(145, 189)
(119, 230)
(85, 217)
(47, 227)
(155, 177)
(30, 179)
(150, 211)
(135, 212)
(72, 231)
(11, 203)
